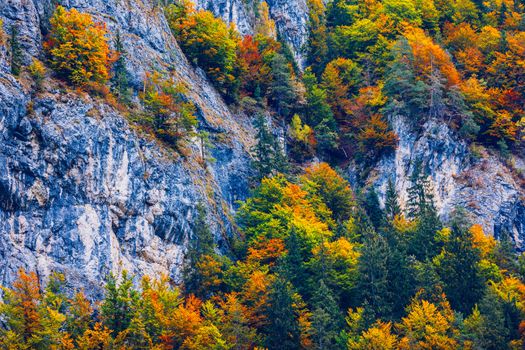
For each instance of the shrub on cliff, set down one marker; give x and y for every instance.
(2, 33)
(78, 47)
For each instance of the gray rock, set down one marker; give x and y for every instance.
(485, 187)
(81, 192)
(290, 16)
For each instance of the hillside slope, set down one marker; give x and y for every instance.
(83, 192)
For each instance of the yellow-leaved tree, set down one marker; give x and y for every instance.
(78, 47)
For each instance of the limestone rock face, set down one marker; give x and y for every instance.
(290, 16)
(84, 193)
(486, 187)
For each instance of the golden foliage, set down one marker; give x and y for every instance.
(78, 47)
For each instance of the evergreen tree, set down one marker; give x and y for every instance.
(436, 89)
(283, 331)
(281, 92)
(317, 108)
(421, 207)
(487, 327)
(120, 79)
(201, 244)
(420, 200)
(392, 207)
(373, 276)
(327, 320)
(400, 276)
(505, 253)
(269, 157)
(317, 47)
(373, 208)
(458, 268)
(118, 308)
(16, 51)
(407, 94)
(294, 263)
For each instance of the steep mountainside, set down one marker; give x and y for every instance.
(291, 19)
(83, 192)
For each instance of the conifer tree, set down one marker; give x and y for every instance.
(118, 308)
(407, 94)
(294, 262)
(420, 199)
(201, 244)
(420, 206)
(282, 94)
(373, 208)
(327, 320)
(373, 276)
(392, 207)
(16, 51)
(458, 268)
(269, 157)
(120, 79)
(282, 331)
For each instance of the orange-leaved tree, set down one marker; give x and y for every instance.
(78, 47)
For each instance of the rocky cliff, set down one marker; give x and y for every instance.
(83, 192)
(291, 19)
(490, 189)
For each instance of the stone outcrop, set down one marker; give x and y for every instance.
(81, 191)
(290, 16)
(486, 187)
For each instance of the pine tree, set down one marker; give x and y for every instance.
(392, 207)
(269, 157)
(294, 262)
(263, 162)
(282, 331)
(317, 47)
(420, 199)
(373, 208)
(408, 95)
(118, 308)
(327, 320)
(436, 89)
(459, 268)
(282, 94)
(16, 51)
(488, 327)
(373, 276)
(201, 244)
(120, 79)
(505, 252)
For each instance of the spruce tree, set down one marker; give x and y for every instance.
(294, 263)
(408, 95)
(373, 276)
(327, 320)
(420, 200)
(201, 244)
(120, 79)
(459, 268)
(282, 94)
(400, 275)
(282, 331)
(392, 207)
(269, 157)
(421, 207)
(373, 208)
(16, 51)
(118, 308)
